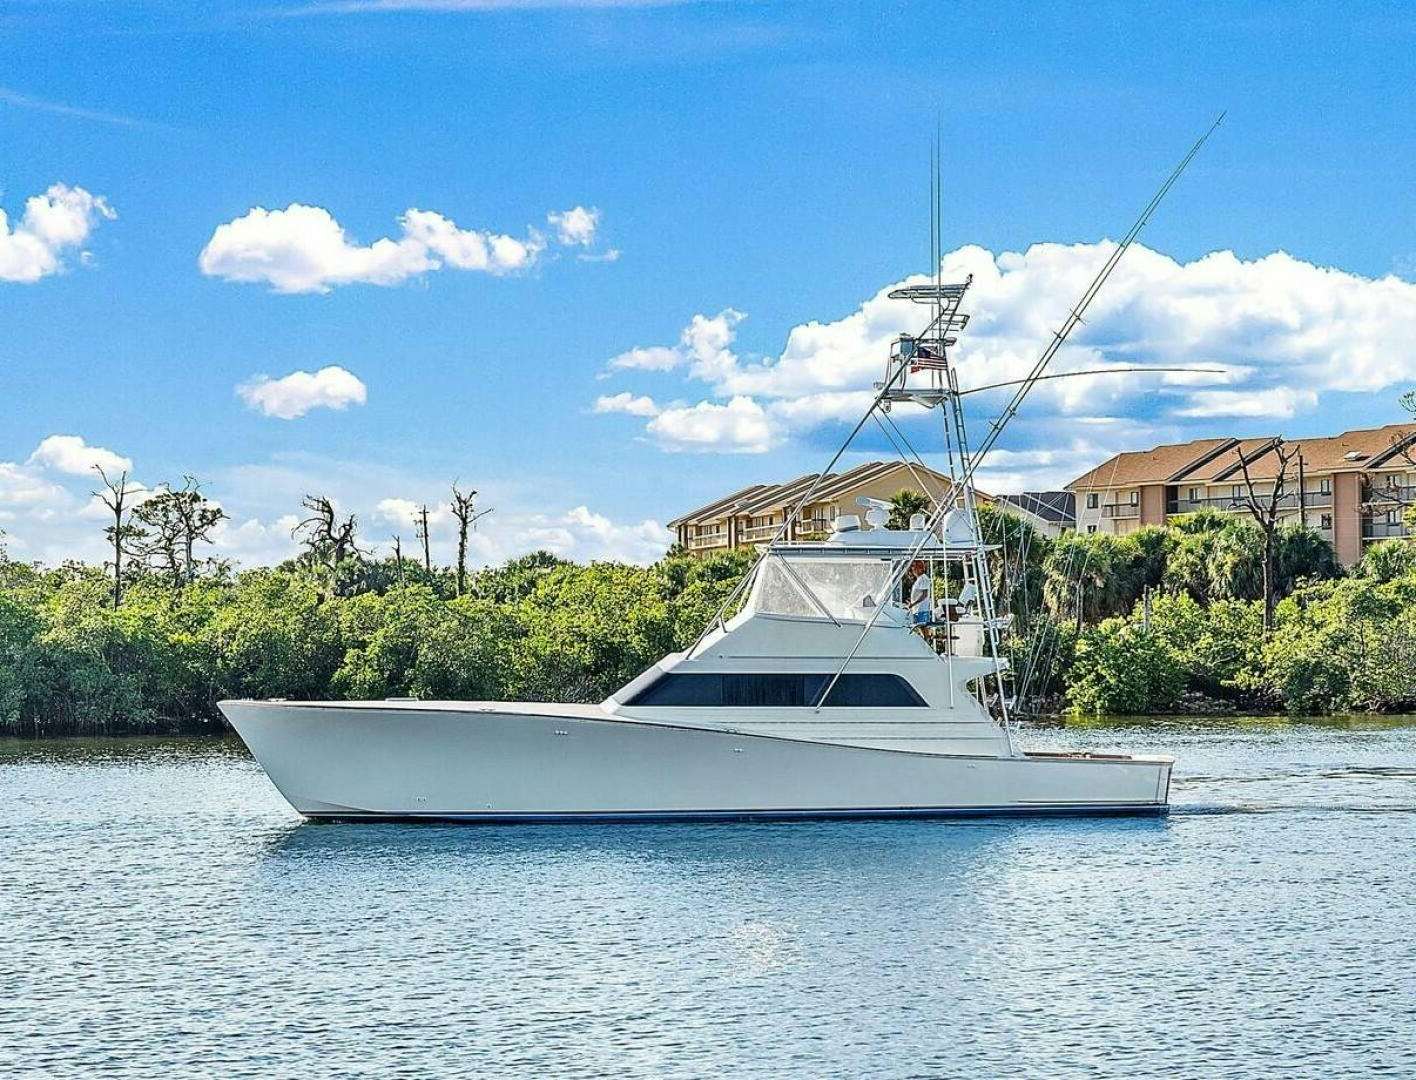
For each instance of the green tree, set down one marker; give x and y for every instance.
(589, 630)
(1018, 567)
(1387, 560)
(1219, 645)
(904, 504)
(1122, 668)
(177, 521)
(1091, 576)
(276, 636)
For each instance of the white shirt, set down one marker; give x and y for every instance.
(921, 590)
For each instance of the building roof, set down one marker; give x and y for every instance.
(1376, 447)
(1056, 507)
(1228, 461)
(864, 474)
(1218, 460)
(775, 495)
(718, 507)
(1364, 448)
(1158, 465)
(763, 498)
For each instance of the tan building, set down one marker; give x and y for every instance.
(755, 514)
(1354, 486)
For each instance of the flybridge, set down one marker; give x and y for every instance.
(919, 371)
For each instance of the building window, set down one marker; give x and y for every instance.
(1392, 480)
(1236, 492)
(1325, 486)
(1393, 517)
(754, 691)
(1325, 522)
(1091, 528)
(1135, 498)
(1093, 500)
(1194, 495)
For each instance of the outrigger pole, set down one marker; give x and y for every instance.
(1059, 338)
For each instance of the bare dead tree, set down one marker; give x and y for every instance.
(464, 509)
(398, 556)
(124, 537)
(179, 520)
(329, 538)
(420, 527)
(1405, 443)
(1265, 508)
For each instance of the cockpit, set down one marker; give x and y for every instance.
(915, 580)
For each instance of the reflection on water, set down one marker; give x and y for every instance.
(166, 912)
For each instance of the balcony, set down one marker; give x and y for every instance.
(1190, 506)
(707, 540)
(1383, 498)
(759, 534)
(1313, 500)
(1381, 529)
(1120, 510)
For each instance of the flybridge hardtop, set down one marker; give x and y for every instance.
(860, 674)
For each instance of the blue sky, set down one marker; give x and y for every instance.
(762, 160)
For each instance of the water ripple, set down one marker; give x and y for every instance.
(166, 914)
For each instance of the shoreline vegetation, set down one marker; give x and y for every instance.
(1165, 620)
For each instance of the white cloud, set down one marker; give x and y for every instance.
(23, 487)
(254, 542)
(70, 454)
(580, 534)
(594, 536)
(294, 395)
(707, 342)
(468, 249)
(741, 426)
(57, 221)
(47, 503)
(626, 403)
(54, 516)
(1279, 402)
(396, 511)
(576, 226)
(1283, 331)
(704, 347)
(303, 249)
(654, 358)
(405, 513)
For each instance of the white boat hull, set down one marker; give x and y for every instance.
(508, 763)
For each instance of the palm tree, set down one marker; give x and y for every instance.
(904, 504)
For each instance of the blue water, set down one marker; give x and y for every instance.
(164, 913)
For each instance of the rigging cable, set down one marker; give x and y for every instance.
(1059, 338)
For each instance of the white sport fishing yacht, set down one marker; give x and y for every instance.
(859, 675)
(760, 719)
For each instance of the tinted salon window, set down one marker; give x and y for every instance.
(862, 691)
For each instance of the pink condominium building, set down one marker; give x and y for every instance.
(1352, 488)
